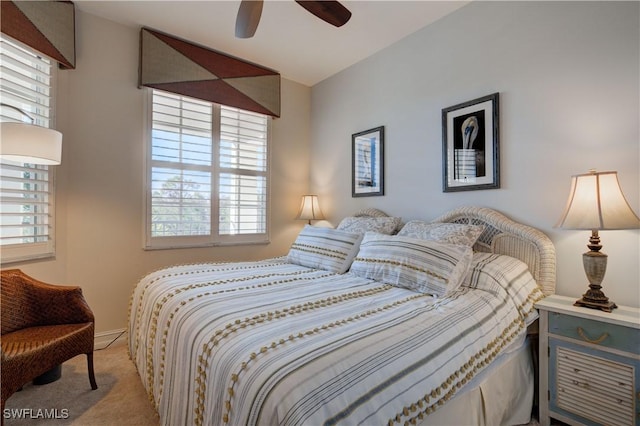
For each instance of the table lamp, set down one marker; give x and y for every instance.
(596, 202)
(310, 209)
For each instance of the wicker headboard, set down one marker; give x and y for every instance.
(504, 236)
(371, 212)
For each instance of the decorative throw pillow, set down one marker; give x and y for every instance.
(381, 225)
(419, 265)
(500, 274)
(452, 233)
(324, 248)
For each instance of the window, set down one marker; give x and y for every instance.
(207, 174)
(26, 190)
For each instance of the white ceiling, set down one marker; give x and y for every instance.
(289, 39)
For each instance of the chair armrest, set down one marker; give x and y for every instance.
(61, 304)
(40, 303)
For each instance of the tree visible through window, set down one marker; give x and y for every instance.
(180, 209)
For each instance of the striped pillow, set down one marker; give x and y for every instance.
(324, 248)
(497, 273)
(418, 265)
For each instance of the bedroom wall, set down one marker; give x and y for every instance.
(567, 73)
(100, 181)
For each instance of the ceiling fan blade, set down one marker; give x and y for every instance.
(330, 11)
(248, 18)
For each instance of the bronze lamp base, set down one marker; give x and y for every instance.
(606, 306)
(595, 265)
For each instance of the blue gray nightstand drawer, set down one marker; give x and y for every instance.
(595, 332)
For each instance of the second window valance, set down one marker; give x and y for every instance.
(178, 66)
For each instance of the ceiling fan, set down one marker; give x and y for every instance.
(330, 11)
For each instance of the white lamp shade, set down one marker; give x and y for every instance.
(27, 143)
(310, 208)
(596, 202)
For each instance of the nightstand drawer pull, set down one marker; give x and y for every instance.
(596, 341)
(580, 384)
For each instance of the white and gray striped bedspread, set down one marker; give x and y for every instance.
(272, 343)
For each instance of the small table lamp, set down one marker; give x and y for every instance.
(596, 202)
(310, 209)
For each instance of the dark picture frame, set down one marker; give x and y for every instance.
(367, 163)
(470, 145)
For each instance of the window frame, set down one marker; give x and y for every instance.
(214, 239)
(21, 252)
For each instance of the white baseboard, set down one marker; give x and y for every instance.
(110, 338)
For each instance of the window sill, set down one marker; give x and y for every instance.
(207, 245)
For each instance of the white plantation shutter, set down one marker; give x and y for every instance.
(181, 166)
(26, 190)
(207, 174)
(243, 172)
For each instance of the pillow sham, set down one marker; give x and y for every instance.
(499, 274)
(381, 225)
(451, 233)
(419, 265)
(324, 248)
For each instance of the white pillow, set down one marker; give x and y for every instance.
(419, 265)
(382, 225)
(451, 233)
(324, 248)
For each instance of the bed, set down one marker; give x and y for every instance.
(395, 330)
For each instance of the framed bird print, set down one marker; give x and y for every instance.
(367, 163)
(470, 145)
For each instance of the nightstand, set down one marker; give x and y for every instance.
(589, 364)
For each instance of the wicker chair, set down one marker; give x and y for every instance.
(42, 326)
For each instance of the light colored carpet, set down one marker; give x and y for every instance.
(119, 400)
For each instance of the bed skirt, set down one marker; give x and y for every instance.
(509, 379)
